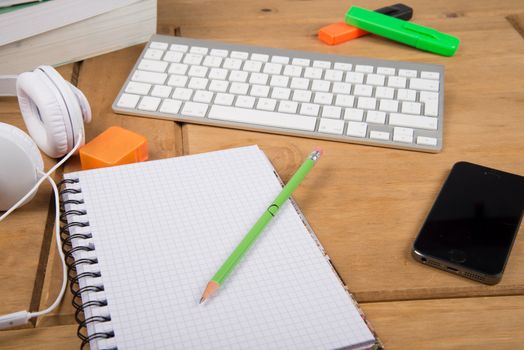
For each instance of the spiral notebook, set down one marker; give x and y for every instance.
(146, 238)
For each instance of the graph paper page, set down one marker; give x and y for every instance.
(161, 229)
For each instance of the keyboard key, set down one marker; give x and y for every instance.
(411, 107)
(376, 117)
(427, 141)
(379, 135)
(152, 65)
(343, 66)
(309, 109)
(239, 88)
(224, 99)
(137, 88)
(292, 71)
(331, 126)
(219, 53)
(406, 95)
(199, 50)
(158, 45)
(280, 59)
(253, 116)
(182, 94)
(161, 91)
(302, 95)
(180, 48)
(429, 75)
(266, 104)
(363, 90)
(279, 80)
(194, 109)
(170, 106)
(232, 63)
(245, 101)
(148, 103)
(288, 107)
(324, 98)
(128, 101)
(197, 71)
(367, 102)
(218, 86)
(193, 58)
(203, 96)
(357, 129)
(388, 105)
(355, 77)
(272, 68)
(333, 75)
(341, 88)
(375, 79)
(281, 93)
(218, 73)
(431, 103)
(252, 66)
(386, 70)
(398, 82)
(345, 100)
(300, 83)
(354, 114)
(177, 80)
(259, 91)
(384, 92)
(237, 75)
(407, 73)
(239, 54)
(423, 84)
(403, 135)
(258, 78)
(173, 56)
(413, 121)
(331, 112)
(198, 83)
(153, 54)
(149, 77)
(178, 68)
(212, 61)
(313, 73)
(304, 62)
(320, 85)
(259, 57)
(363, 68)
(322, 64)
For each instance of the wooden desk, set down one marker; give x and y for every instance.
(369, 202)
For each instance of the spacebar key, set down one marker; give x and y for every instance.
(252, 116)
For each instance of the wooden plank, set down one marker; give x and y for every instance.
(471, 323)
(41, 338)
(25, 235)
(100, 79)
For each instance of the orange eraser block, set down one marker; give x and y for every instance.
(115, 146)
(339, 32)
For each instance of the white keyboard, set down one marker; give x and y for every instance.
(349, 99)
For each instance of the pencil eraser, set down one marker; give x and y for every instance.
(115, 146)
(339, 32)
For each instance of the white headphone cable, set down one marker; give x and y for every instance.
(22, 317)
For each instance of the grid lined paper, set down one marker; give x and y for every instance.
(161, 229)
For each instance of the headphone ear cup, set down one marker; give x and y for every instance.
(82, 102)
(42, 113)
(20, 162)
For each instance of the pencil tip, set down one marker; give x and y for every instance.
(202, 300)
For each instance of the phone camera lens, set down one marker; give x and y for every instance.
(423, 259)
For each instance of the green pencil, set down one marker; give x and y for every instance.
(220, 276)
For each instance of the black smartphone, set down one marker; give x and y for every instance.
(472, 225)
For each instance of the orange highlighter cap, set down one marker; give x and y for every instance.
(339, 32)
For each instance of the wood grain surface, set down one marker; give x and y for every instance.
(365, 204)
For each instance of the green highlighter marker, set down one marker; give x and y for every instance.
(244, 245)
(409, 33)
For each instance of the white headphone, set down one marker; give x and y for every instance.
(54, 112)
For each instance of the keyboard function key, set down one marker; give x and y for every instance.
(199, 50)
(430, 75)
(180, 48)
(386, 70)
(409, 73)
(280, 59)
(242, 55)
(158, 45)
(343, 66)
(259, 57)
(219, 53)
(322, 64)
(304, 62)
(363, 68)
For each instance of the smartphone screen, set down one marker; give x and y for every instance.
(474, 220)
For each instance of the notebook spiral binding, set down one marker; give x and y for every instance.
(85, 282)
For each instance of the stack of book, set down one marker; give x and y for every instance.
(62, 31)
